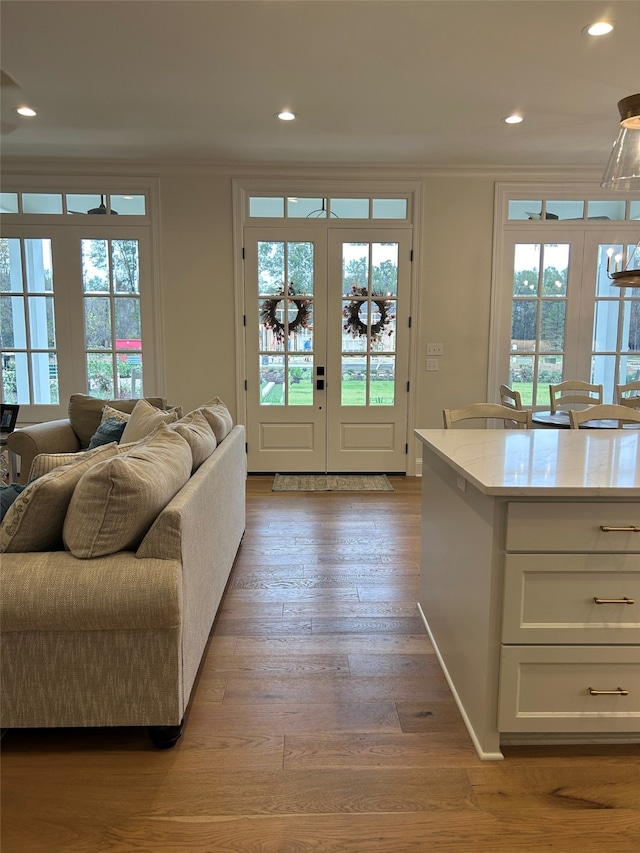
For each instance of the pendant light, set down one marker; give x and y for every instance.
(623, 168)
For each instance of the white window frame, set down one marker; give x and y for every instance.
(67, 272)
(579, 310)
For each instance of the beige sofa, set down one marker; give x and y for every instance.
(117, 640)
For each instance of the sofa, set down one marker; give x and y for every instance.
(105, 623)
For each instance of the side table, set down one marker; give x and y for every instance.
(8, 462)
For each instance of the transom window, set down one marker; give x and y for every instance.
(297, 207)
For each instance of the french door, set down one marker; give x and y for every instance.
(327, 326)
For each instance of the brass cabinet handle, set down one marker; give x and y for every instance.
(633, 528)
(619, 692)
(624, 600)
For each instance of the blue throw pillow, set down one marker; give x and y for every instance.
(109, 430)
(8, 494)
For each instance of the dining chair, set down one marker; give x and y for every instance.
(511, 418)
(566, 394)
(631, 388)
(510, 398)
(606, 411)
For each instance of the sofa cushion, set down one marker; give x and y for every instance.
(144, 419)
(85, 412)
(197, 432)
(35, 520)
(110, 429)
(219, 417)
(116, 501)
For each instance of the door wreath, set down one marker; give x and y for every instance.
(354, 325)
(268, 314)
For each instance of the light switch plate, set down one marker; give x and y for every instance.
(435, 349)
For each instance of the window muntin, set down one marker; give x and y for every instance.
(538, 318)
(285, 328)
(59, 203)
(369, 294)
(112, 317)
(27, 322)
(568, 210)
(299, 207)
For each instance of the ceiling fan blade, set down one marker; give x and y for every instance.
(7, 81)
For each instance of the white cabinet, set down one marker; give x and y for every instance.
(571, 617)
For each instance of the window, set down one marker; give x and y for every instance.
(27, 322)
(299, 207)
(76, 299)
(557, 314)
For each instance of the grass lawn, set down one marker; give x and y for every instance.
(353, 394)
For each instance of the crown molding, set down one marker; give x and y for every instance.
(247, 170)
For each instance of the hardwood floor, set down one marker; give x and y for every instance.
(321, 723)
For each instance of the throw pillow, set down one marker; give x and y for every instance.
(117, 501)
(198, 434)
(109, 413)
(219, 417)
(144, 419)
(45, 462)
(85, 412)
(110, 429)
(35, 519)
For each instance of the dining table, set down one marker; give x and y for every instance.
(560, 419)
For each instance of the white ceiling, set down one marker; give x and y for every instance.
(422, 82)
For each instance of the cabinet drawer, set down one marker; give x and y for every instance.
(571, 598)
(548, 689)
(571, 526)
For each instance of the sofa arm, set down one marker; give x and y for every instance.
(48, 437)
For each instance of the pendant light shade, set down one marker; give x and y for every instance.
(623, 168)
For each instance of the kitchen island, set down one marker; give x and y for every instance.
(530, 581)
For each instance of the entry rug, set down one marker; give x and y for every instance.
(331, 483)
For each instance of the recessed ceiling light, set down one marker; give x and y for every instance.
(599, 28)
(286, 115)
(25, 111)
(514, 119)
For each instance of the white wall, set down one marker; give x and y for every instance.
(197, 274)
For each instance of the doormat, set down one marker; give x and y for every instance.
(331, 483)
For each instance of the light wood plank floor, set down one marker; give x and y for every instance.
(321, 723)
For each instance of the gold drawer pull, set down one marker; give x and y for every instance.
(618, 692)
(624, 600)
(633, 528)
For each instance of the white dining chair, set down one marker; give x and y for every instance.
(511, 418)
(633, 390)
(573, 392)
(606, 411)
(510, 398)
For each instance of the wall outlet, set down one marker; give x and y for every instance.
(433, 364)
(435, 349)
(461, 483)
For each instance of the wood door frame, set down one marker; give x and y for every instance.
(242, 188)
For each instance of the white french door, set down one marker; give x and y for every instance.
(327, 327)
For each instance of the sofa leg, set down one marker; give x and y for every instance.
(164, 737)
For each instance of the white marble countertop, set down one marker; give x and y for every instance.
(537, 462)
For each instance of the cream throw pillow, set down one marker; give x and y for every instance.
(45, 462)
(219, 417)
(117, 501)
(144, 419)
(109, 413)
(197, 432)
(35, 520)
